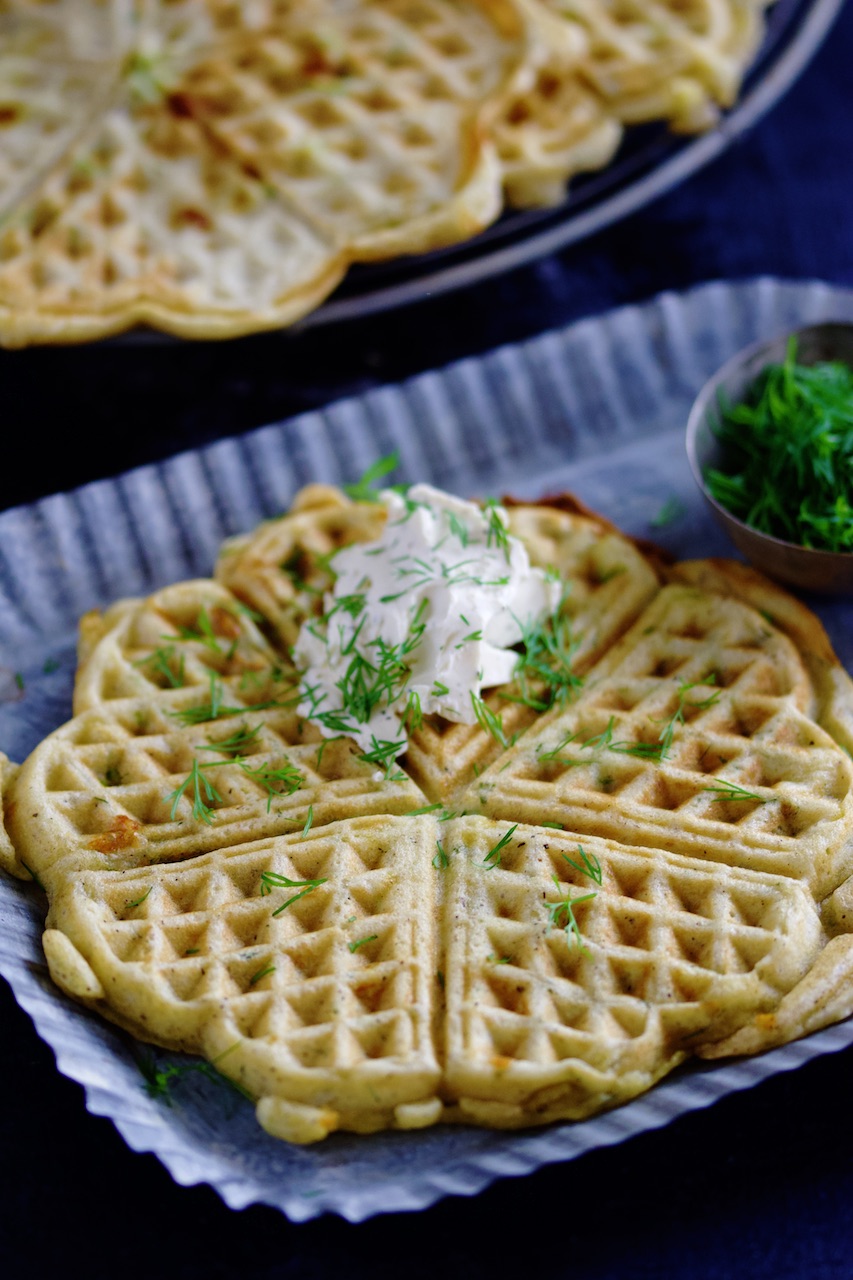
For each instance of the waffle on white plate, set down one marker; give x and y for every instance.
(641, 852)
(213, 168)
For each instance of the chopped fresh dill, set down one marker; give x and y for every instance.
(458, 528)
(657, 751)
(384, 752)
(295, 566)
(600, 740)
(365, 489)
(671, 510)
(137, 902)
(204, 794)
(493, 857)
(210, 710)
(497, 534)
(544, 670)
(273, 880)
(160, 1079)
(203, 632)
(215, 709)
(164, 662)
(359, 942)
(309, 821)
(731, 791)
(489, 721)
(440, 859)
(561, 915)
(554, 752)
(413, 716)
(50, 665)
(354, 604)
(238, 741)
(262, 973)
(668, 731)
(588, 866)
(267, 776)
(787, 467)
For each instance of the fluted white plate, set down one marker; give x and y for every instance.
(598, 408)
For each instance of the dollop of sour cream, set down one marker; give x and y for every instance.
(420, 621)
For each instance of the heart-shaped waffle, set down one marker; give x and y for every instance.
(507, 929)
(212, 168)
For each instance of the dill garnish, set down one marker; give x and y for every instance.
(202, 633)
(159, 1079)
(561, 915)
(671, 511)
(489, 721)
(498, 532)
(546, 660)
(267, 776)
(359, 942)
(440, 859)
(731, 791)
(262, 973)
(204, 793)
(243, 737)
(788, 454)
(164, 662)
(564, 910)
(493, 857)
(588, 866)
(384, 752)
(364, 489)
(273, 880)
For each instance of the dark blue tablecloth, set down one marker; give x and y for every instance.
(762, 1184)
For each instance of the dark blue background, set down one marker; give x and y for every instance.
(761, 1185)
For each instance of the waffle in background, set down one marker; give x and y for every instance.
(226, 165)
(213, 168)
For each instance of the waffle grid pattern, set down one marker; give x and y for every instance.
(743, 759)
(213, 168)
(336, 984)
(579, 920)
(661, 942)
(223, 170)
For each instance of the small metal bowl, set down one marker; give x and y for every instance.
(810, 570)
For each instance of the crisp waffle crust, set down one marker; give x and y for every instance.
(508, 930)
(214, 167)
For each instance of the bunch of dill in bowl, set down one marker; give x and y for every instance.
(787, 454)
